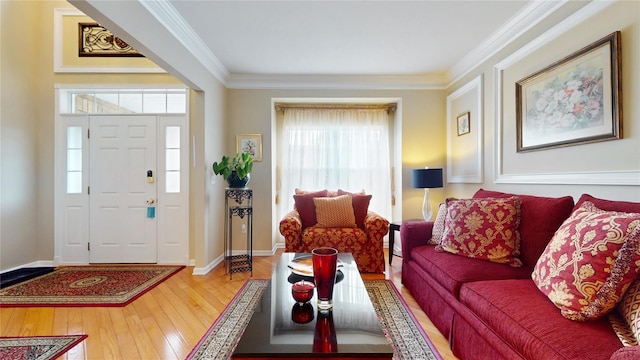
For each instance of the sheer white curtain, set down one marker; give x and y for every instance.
(335, 149)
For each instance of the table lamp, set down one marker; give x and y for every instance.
(427, 179)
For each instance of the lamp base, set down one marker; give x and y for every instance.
(427, 211)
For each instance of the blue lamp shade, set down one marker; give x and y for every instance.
(427, 178)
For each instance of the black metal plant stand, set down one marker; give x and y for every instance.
(241, 206)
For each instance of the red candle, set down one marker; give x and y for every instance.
(302, 291)
(302, 313)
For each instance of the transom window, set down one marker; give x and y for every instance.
(123, 101)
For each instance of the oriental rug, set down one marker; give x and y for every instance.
(401, 328)
(115, 285)
(37, 347)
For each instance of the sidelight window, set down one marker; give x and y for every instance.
(74, 159)
(172, 162)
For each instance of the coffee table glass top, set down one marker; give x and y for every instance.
(278, 325)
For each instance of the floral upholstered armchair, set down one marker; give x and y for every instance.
(340, 220)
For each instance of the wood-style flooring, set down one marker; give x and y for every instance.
(168, 321)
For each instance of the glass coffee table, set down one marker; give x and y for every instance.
(281, 328)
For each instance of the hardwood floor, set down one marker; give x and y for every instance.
(168, 321)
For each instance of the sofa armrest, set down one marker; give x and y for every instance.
(375, 226)
(291, 227)
(626, 353)
(412, 234)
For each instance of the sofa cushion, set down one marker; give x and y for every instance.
(360, 203)
(484, 228)
(540, 217)
(590, 262)
(521, 315)
(335, 212)
(451, 271)
(306, 208)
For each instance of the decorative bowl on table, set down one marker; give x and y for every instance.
(302, 291)
(302, 314)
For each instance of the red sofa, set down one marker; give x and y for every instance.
(495, 311)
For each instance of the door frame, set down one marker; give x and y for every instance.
(71, 211)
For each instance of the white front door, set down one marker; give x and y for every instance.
(122, 229)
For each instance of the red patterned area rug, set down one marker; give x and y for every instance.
(403, 332)
(37, 347)
(87, 286)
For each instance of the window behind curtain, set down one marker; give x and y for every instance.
(334, 149)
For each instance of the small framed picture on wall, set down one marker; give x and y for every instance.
(250, 143)
(463, 124)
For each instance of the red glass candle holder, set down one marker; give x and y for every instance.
(302, 314)
(325, 261)
(302, 291)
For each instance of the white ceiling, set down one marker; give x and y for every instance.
(344, 37)
(434, 41)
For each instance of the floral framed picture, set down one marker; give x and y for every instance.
(464, 123)
(573, 101)
(250, 143)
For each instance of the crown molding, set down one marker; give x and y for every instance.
(523, 21)
(171, 19)
(336, 82)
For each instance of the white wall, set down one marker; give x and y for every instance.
(27, 113)
(422, 144)
(570, 33)
(424, 124)
(207, 120)
(19, 135)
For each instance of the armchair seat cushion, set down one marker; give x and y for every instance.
(345, 239)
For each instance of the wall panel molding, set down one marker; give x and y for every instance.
(621, 177)
(460, 149)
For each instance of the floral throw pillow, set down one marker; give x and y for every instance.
(483, 229)
(590, 262)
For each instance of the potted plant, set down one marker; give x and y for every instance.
(235, 171)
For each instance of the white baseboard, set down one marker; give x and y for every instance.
(205, 270)
(39, 263)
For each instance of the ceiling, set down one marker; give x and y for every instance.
(244, 41)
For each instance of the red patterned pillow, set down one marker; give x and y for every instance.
(590, 261)
(483, 229)
(306, 208)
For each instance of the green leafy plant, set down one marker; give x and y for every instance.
(242, 164)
